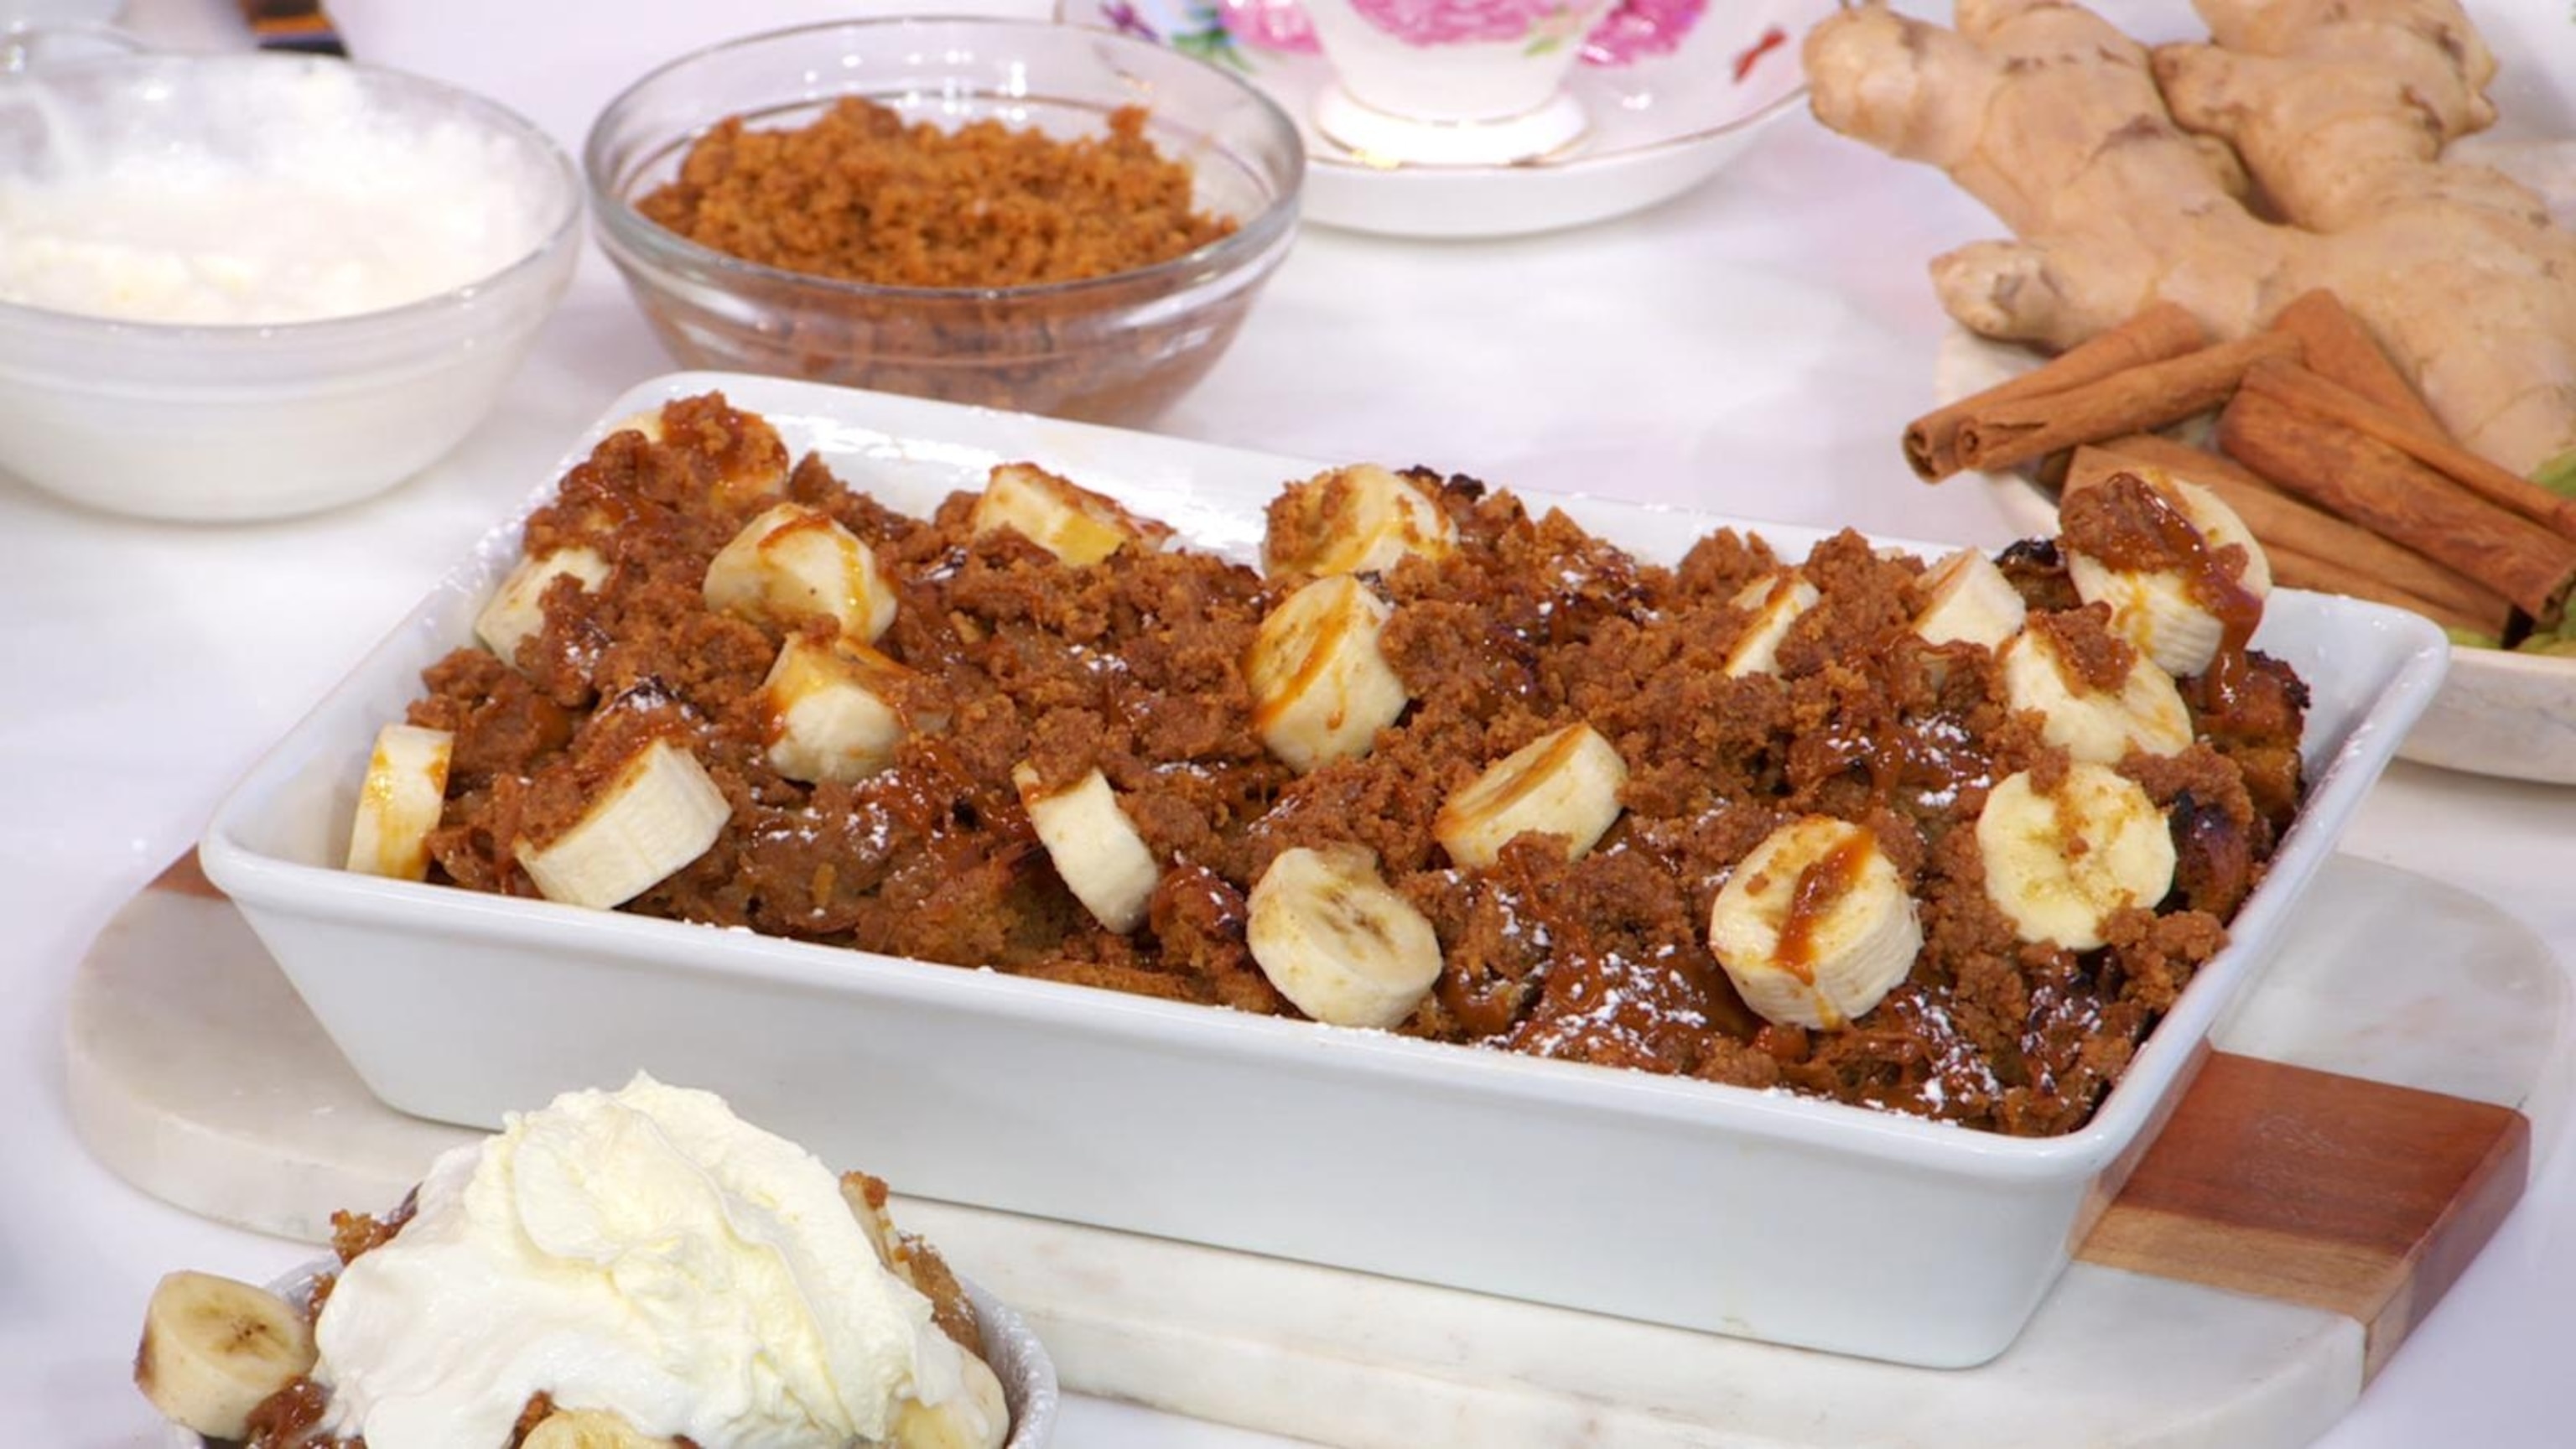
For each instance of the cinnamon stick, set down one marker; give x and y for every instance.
(2296, 570)
(2161, 331)
(2197, 464)
(2372, 484)
(2287, 527)
(2020, 429)
(2339, 348)
(2304, 389)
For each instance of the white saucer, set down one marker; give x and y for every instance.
(1659, 125)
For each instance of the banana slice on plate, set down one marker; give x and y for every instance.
(400, 802)
(1776, 603)
(590, 1429)
(1815, 927)
(1094, 846)
(517, 607)
(794, 562)
(1078, 526)
(2167, 612)
(1338, 941)
(1566, 784)
(1967, 600)
(977, 1416)
(660, 812)
(833, 710)
(1321, 687)
(2060, 862)
(213, 1349)
(2147, 713)
(1355, 520)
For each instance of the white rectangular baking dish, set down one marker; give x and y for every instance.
(1679, 1202)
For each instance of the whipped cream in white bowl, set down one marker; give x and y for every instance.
(246, 286)
(645, 1253)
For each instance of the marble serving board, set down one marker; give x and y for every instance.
(2361, 1126)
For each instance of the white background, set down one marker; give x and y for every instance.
(1753, 347)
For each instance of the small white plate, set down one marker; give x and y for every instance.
(1660, 124)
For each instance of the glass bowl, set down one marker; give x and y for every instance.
(1118, 348)
(250, 420)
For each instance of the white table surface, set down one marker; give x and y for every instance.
(1752, 347)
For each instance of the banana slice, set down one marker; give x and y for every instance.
(1095, 847)
(1566, 784)
(213, 1349)
(793, 562)
(1078, 526)
(1815, 926)
(2161, 611)
(517, 608)
(399, 804)
(1321, 688)
(977, 1416)
(2147, 713)
(661, 812)
(832, 710)
(1968, 600)
(590, 1429)
(874, 1221)
(1355, 520)
(750, 463)
(1337, 941)
(2059, 864)
(1776, 603)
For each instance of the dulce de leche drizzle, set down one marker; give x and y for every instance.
(2130, 524)
(826, 530)
(1821, 886)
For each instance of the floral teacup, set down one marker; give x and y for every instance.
(1453, 81)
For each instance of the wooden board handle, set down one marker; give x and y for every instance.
(2348, 1195)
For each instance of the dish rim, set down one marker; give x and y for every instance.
(1822, 1124)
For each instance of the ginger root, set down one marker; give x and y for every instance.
(2124, 176)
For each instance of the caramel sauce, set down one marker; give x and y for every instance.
(853, 603)
(1560, 748)
(1821, 886)
(1312, 661)
(2128, 523)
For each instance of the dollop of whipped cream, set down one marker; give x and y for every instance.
(644, 1252)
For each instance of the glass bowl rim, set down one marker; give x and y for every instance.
(630, 230)
(564, 193)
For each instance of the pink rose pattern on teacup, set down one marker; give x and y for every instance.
(1633, 30)
(1447, 22)
(1636, 29)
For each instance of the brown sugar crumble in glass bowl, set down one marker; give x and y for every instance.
(863, 196)
(1004, 213)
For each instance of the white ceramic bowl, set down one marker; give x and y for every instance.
(1683, 1202)
(1017, 1358)
(259, 421)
